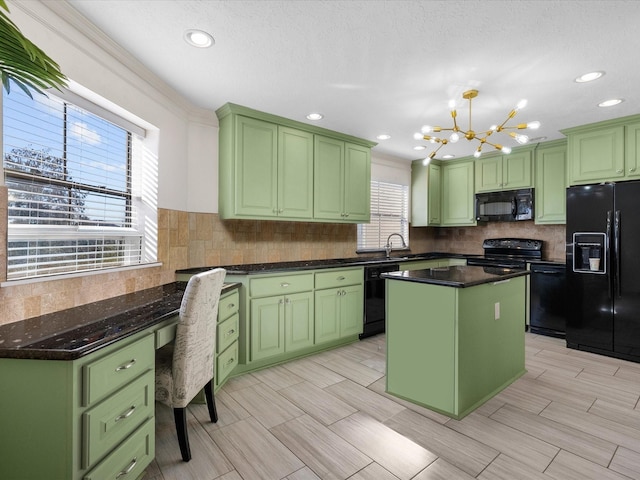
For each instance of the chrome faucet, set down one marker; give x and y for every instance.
(389, 245)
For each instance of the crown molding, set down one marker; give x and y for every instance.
(138, 74)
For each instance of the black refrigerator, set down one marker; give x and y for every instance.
(603, 269)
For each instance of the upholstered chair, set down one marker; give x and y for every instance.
(184, 367)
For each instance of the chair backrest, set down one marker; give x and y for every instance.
(194, 348)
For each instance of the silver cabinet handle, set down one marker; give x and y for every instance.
(127, 414)
(126, 365)
(340, 278)
(230, 332)
(127, 470)
(632, 169)
(284, 284)
(618, 171)
(231, 305)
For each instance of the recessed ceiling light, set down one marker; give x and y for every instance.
(537, 139)
(589, 77)
(611, 103)
(198, 38)
(315, 116)
(419, 147)
(448, 157)
(383, 136)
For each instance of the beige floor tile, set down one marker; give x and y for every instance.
(397, 454)
(457, 449)
(441, 470)
(559, 435)
(365, 400)
(303, 474)
(609, 382)
(277, 377)
(255, 452)
(321, 405)
(525, 400)
(352, 370)
(626, 462)
(242, 381)
(589, 364)
(373, 471)
(616, 413)
(324, 452)
(376, 362)
(522, 447)
(229, 411)
(207, 461)
(229, 476)
(313, 372)
(266, 405)
(611, 431)
(567, 466)
(553, 390)
(507, 468)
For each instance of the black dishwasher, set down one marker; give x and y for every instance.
(374, 301)
(547, 314)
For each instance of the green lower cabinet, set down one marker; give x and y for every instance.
(451, 349)
(338, 312)
(281, 324)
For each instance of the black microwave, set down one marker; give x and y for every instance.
(505, 206)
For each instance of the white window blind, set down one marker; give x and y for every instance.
(389, 214)
(70, 205)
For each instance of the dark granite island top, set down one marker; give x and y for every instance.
(457, 276)
(75, 332)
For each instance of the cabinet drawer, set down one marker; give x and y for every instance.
(130, 459)
(336, 278)
(281, 285)
(166, 334)
(226, 362)
(111, 372)
(227, 332)
(228, 305)
(110, 422)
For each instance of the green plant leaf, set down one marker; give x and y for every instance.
(23, 63)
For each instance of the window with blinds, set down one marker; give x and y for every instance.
(69, 177)
(389, 214)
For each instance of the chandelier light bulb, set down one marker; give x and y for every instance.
(477, 153)
(426, 161)
(521, 104)
(493, 128)
(533, 125)
(454, 137)
(417, 136)
(452, 104)
(426, 129)
(522, 139)
(506, 150)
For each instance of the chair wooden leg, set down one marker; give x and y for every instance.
(211, 401)
(180, 415)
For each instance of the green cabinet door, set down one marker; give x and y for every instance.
(426, 194)
(256, 167)
(551, 183)
(298, 321)
(516, 170)
(327, 314)
(632, 151)
(357, 183)
(488, 174)
(351, 310)
(596, 155)
(458, 194)
(434, 193)
(504, 172)
(267, 327)
(328, 181)
(295, 173)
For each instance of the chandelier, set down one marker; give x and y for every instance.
(470, 134)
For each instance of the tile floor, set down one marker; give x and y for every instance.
(573, 416)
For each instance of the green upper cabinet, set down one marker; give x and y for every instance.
(604, 152)
(342, 181)
(551, 183)
(268, 167)
(426, 194)
(458, 197)
(503, 172)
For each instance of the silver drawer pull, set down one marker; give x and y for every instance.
(231, 305)
(284, 284)
(126, 365)
(340, 278)
(229, 362)
(230, 332)
(127, 470)
(501, 282)
(127, 414)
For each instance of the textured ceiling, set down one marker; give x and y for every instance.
(376, 67)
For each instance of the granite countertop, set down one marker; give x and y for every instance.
(459, 276)
(78, 331)
(256, 268)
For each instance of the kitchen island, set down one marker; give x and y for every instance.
(455, 335)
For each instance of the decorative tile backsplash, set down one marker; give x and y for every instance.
(202, 239)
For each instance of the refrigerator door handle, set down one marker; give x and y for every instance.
(610, 289)
(616, 246)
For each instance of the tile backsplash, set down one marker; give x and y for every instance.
(187, 239)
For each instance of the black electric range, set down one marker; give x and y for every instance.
(508, 253)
